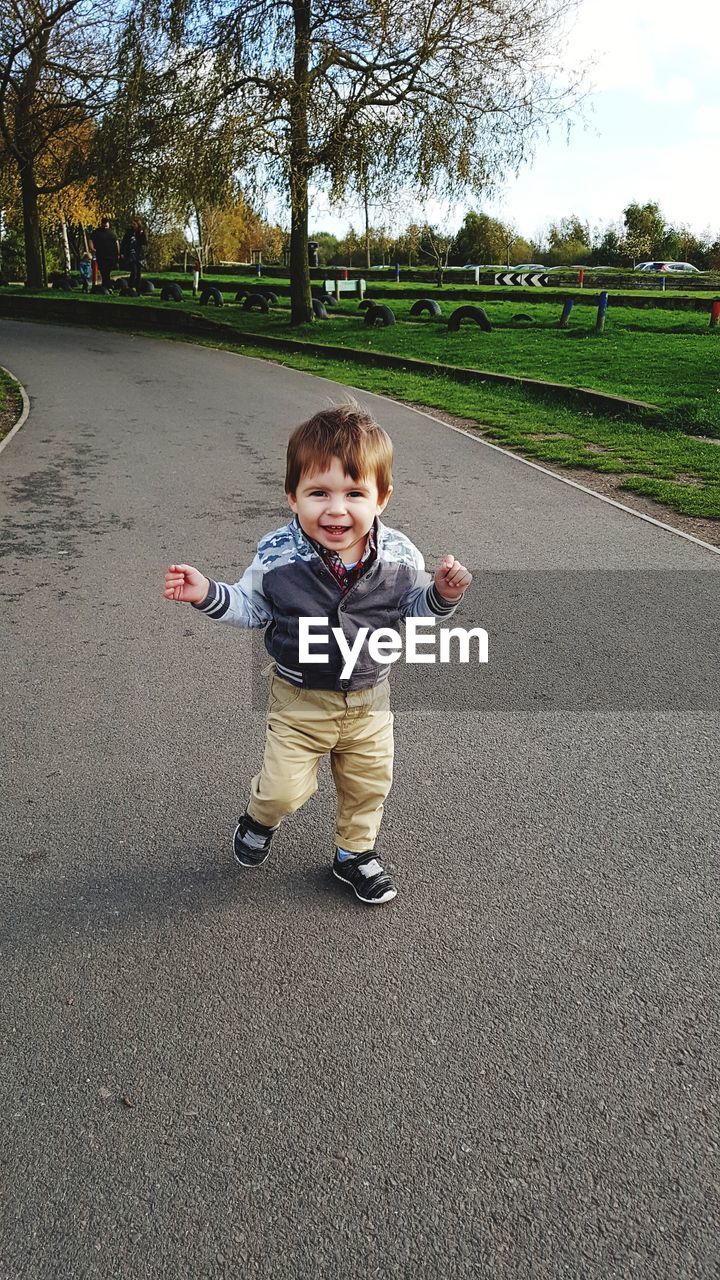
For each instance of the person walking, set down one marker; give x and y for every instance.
(104, 244)
(132, 251)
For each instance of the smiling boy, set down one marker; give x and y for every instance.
(336, 561)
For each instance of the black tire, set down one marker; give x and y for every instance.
(254, 300)
(319, 309)
(211, 294)
(476, 314)
(366, 302)
(241, 295)
(379, 315)
(522, 318)
(146, 287)
(171, 293)
(123, 288)
(271, 297)
(426, 304)
(60, 280)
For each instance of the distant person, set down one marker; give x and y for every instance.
(85, 269)
(104, 244)
(132, 251)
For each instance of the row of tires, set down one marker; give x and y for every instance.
(376, 314)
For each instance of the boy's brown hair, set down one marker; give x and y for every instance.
(346, 433)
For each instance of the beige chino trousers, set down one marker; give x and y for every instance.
(303, 725)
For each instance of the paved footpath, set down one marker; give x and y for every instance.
(511, 1071)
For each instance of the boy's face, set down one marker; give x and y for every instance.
(337, 511)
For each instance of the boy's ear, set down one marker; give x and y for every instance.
(382, 502)
(292, 501)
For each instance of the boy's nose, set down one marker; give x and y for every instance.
(336, 507)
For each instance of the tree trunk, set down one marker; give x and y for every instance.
(34, 268)
(368, 264)
(66, 245)
(301, 311)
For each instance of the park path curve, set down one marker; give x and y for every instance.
(507, 1074)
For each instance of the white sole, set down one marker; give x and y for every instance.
(367, 902)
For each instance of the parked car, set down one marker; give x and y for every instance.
(529, 266)
(667, 266)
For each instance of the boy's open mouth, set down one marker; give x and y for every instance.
(335, 529)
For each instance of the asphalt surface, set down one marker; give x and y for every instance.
(512, 1071)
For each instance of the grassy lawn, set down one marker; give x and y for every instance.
(670, 359)
(667, 358)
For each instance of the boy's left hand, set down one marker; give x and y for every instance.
(452, 579)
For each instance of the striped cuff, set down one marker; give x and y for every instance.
(439, 606)
(216, 602)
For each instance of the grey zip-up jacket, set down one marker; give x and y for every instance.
(288, 580)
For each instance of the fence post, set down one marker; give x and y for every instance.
(567, 308)
(602, 308)
(715, 314)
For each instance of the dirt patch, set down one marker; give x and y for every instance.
(610, 486)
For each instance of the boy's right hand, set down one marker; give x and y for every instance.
(185, 584)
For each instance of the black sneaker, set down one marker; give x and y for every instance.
(365, 875)
(252, 854)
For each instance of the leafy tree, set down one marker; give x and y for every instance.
(450, 91)
(56, 60)
(644, 230)
(481, 239)
(609, 249)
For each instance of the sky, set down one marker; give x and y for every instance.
(651, 127)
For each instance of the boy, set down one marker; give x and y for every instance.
(334, 560)
(85, 269)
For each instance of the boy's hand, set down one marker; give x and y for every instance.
(186, 584)
(452, 579)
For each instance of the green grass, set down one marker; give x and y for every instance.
(678, 470)
(670, 359)
(10, 403)
(654, 363)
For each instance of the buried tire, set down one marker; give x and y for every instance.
(476, 315)
(146, 288)
(425, 304)
(211, 295)
(254, 300)
(378, 315)
(319, 311)
(171, 293)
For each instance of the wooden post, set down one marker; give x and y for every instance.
(567, 308)
(602, 309)
(715, 314)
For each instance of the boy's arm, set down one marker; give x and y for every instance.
(438, 596)
(242, 604)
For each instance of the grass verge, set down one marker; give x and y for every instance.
(10, 402)
(670, 467)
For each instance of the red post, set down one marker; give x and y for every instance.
(345, 274)
(715, 314)
(581, 277)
